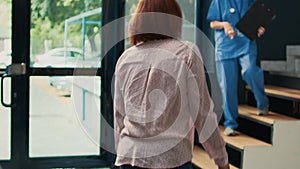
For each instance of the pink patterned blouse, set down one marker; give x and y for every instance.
(160, 98)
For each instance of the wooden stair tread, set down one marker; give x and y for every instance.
(241, 140)
(202, 160)
(251, 112)
(281, 91)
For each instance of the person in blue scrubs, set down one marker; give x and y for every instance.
(234, 49)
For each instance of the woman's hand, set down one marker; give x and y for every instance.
(229, 31)
(260, 31)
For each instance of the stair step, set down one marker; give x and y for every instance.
(259, 127)
(250, 112)
(281, 92)
(276, 66)
(202, 160)
(241, 140)
(293, 50)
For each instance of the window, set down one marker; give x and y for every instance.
(64, 109)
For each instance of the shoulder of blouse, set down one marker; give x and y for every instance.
(193, 52)
(123, 56)
(190, 48)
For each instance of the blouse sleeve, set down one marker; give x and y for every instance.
(206, 120)
(119, 110)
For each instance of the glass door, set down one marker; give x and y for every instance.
(64, 109)
(61, 104)
(5, 59)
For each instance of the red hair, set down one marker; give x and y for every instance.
(164, 23)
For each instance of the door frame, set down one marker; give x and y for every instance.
(112, 9)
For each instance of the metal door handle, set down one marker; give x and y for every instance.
(2, 91)
(16, 69)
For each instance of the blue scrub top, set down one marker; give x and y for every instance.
(226, 48)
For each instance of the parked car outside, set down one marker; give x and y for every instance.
(65, 58)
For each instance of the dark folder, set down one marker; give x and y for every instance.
(258, 15)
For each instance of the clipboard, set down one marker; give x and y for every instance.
(258, 15)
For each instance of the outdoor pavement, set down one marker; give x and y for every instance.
(54, 127)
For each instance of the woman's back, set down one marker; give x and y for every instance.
(153, 78)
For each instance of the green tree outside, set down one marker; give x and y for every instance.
(48, 16)
(47, 23)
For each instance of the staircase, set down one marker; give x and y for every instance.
(263, 142)
(290, 67)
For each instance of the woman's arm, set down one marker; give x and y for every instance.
(228, 29)
(206, 120)
(119, 110)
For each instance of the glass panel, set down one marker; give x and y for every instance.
(5, 59)
(188, 8)
(189, 15)
(5, 123)
(64, 116)
(68, 40)
(130, 6)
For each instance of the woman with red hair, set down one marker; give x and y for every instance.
(161, 95)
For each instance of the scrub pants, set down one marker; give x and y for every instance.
(227, 73)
